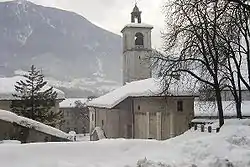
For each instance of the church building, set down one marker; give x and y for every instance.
(138, 109)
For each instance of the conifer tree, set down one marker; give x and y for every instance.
(34, 101)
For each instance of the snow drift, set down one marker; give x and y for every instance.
(229, 148)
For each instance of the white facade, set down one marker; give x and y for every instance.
(73, 115)
(136, 51)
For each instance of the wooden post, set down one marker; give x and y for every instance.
(158, 125)
(148, 125)
(209, 129)
(172, 128)
(195, 127)
(202, 128)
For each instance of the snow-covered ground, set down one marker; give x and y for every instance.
(82, 137)
(231, 145)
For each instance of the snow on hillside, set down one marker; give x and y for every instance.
(97, 84)
(7, 88)
(192, 149)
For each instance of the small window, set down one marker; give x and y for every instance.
(139, 39)
(102, 122)
(139, 107)
(92, 117)
(180, 105)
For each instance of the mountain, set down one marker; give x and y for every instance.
(65, 45)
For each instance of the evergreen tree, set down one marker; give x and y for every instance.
(34, 101)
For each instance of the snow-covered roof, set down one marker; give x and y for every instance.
(70, 102)
(209, 108)
(141, 88)
(26, 122)
(7, 88)
(138, 25)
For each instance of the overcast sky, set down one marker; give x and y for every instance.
(112, 15)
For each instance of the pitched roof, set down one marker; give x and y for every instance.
(141, 88)
(29, 123)
(71, 102)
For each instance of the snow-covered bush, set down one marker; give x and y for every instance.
(147, 163)
(10, 142)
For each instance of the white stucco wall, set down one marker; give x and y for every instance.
(155, 117)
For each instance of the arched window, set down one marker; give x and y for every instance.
(139, 39)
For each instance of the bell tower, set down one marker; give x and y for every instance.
(136, 48)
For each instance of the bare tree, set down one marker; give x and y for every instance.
(196, 45)
(237, 49)
(242, 3)
(81, 113)
(84, 111)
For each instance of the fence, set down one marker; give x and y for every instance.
(204, 128)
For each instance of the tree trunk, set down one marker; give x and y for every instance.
(238, 100)
(220, 107)
(238, 110)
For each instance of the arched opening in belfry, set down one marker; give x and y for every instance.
(139, 39)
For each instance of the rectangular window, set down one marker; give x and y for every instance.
(180, 105)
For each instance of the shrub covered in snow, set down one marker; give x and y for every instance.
(10, 142)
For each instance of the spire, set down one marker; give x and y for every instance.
(136, 14)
